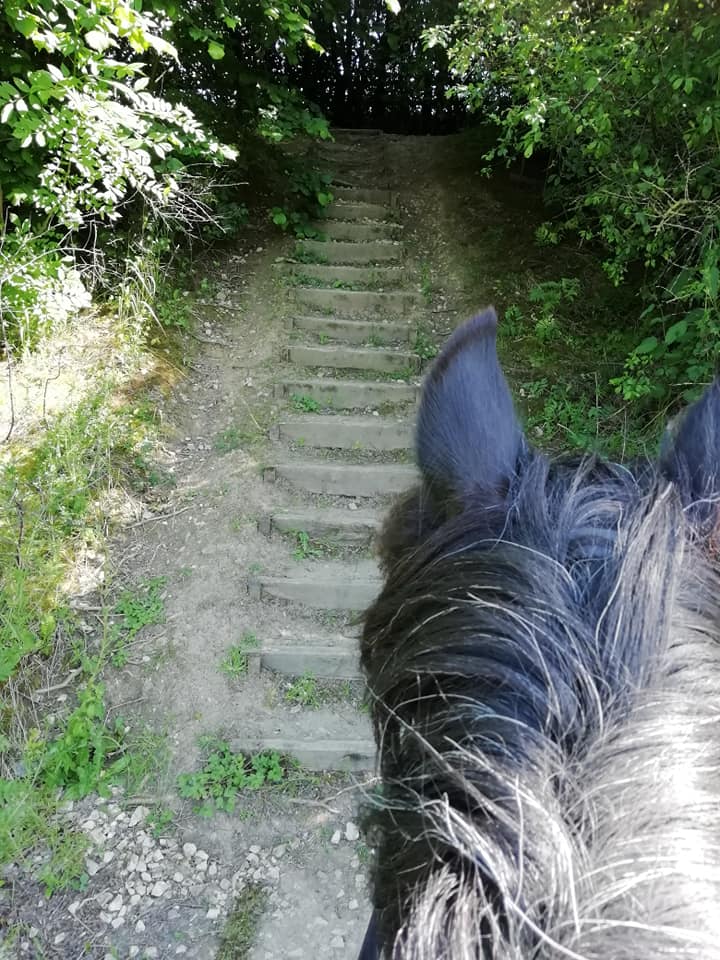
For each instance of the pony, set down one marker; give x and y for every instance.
(543, 673)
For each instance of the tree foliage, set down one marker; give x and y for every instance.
(623, 97)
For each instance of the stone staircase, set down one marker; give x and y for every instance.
(343, 449)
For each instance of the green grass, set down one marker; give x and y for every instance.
(240, 930)
(304, 692)
(235, 662)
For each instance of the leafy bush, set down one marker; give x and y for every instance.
(623, 99)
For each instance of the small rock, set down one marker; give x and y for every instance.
(139, 927)
(254, 848)
(134, 950)
(212, 870)
(351, 832)
(74, 907)
(178, 877)
(213, 913)
(117, 922)
(159, 888)
(335, 838)
(108, 856)
(115, 903)
(353, 905)
(225, 884)
(337, 943)
(139, 814)
(201, 855)
(189, 850)
(151, 952)
(279, 851)
(91, 867)
(181, 949)
(59, 939)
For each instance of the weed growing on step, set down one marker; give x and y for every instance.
(302, 255)
(235, 662)
(375, 340)
(160, 822)
(424, 346)
(303, 403)
(323, 338)
(426, 285)
(240, 930)
(225, 774)
(303, 692)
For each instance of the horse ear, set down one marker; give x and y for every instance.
(691, 452)
(468, 436)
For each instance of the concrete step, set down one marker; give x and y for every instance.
(350, 394)
(364, 195)
(342, 210)
(358, 232)
(355, 132)
(348, 527)
(374, 434)
(338, 251)
(345, 479)
(358, 302)
(356, 331)
(350, 358)
(339, 586)
(337, 661)
(341, 755)
(383, 277)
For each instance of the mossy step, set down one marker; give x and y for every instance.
(358, 276)
(358, 232)
(340, 251)
(350, 394)
(337, 661)
(375, 434)
(348, 755)
(344, 479)
(362, 210)
(358, 302)
(351, 527)
(356, 331)
(364, 195)
(349, 358)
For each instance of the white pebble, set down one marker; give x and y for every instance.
(189, 850)
(139, 927)
(159, 888)
(351, 832)
(213, 913)
(335, 838)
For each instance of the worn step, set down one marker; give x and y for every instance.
(345, 479)
(350, 394)
(359, 132)
(347, 527)
(364, 195)
(342, 210)
(351, 358)
(333, 755)
(336, 661)
(337, 586)
(359, 276)
(372, 434)
(358, 302)
(339, 251)
(358, 232)
(377, 332)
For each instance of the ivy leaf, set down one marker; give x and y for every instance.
(216, 50)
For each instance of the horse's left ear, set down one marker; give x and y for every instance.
(691, 458)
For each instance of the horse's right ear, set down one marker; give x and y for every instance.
(691, 458)
(468, 437)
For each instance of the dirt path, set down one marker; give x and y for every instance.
(285, 442)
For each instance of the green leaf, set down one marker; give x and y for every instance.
(393, 6)
(216, 50)
(676, 332)
(98, 40)
(647, 346)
